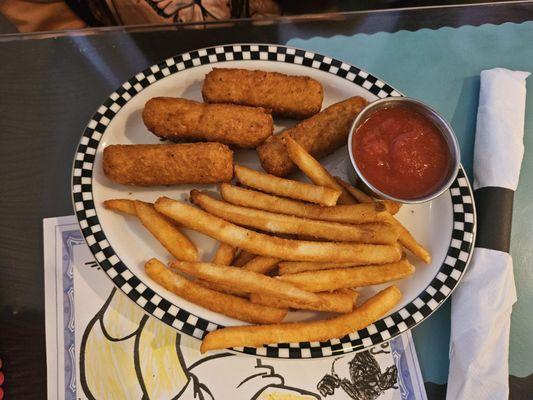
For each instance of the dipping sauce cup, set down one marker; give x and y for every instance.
(402, 150)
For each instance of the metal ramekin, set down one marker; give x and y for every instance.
(440, 123)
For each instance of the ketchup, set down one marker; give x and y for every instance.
(401, 153)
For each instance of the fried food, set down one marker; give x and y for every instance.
(286, 95)
(122, 205)
(319, 135)
(316, 331)
(270, 246)
(243, 258)
(286, 187)
(168, 164)
(226, 304)
(333, 279)
(224, 254)
(409, 242)
(357, 194)
(166, 232)
(378, 233)
(244, 280)
(261, 264)
(348, 214)
(294, 267)
(187, 120)
(314, 170)
(339, 301)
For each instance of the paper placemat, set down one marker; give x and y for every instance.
(100, 345)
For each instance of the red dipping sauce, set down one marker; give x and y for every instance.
(401, 152)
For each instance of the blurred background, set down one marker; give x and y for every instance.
(50, 15)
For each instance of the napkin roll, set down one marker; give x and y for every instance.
(482, 304)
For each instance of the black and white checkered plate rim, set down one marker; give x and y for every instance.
(428, 301)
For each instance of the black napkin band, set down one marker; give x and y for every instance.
(494, 207)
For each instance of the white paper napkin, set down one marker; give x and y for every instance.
(482, 304)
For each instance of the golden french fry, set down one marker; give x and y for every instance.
(286, 187)
(279, 223)
(242, 258)
(247, 281)
(350, 214)
(224, 254)
(265, 245)
(222, 303)
(357, 194)
(314, 170)
(166, 232)
(221, 288)
(315, 331)
(294, 267)
(261, 264)
(122, 205)
(409, 242)
(391, 206)
(333, 279)
(338, 301)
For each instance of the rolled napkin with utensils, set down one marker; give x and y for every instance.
(482, 304)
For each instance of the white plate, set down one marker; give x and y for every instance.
(121, 245)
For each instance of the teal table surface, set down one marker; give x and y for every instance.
(441, 67)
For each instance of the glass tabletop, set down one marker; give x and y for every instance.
(51, 84)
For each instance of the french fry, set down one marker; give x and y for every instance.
(405, 237)
(222, 288)
(294, 267)
(122, 205)
(222, 303)
(314, 170)
(349, 214)
(265, 245)
(247, 281)
(242, 258)
(261, 264)
(357, 194)
(378, 233)
(409, 242)
(391, 206)
(224, 254)
(165, 232)
(315, 331)
(338, 301)
(333, 279)
(286, 187)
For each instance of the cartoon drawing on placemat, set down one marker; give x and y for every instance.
(126, 354)
(366, 380)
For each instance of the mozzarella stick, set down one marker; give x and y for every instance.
(279, 223)
(187, 120)
(286, 187)
(333, 279)
(168, 164)
(270, 246)
(319, 135)
(316, 331)
(226, 304)
(286, 95)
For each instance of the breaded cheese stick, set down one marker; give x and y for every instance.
(168, 164)
(319, 135)
(286, 95)
(187, 120)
